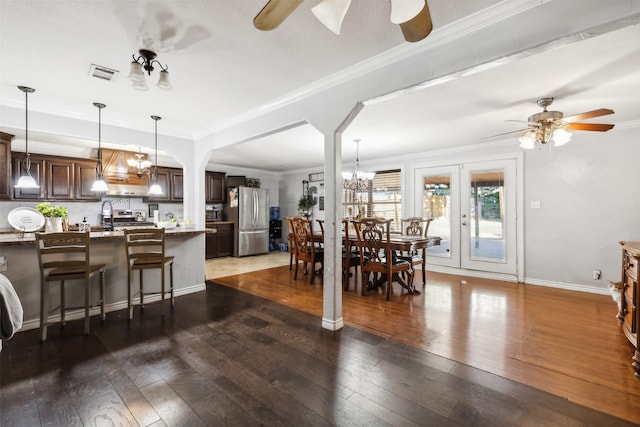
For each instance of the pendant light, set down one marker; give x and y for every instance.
(155, 189)
(26, 180)
(99, 185)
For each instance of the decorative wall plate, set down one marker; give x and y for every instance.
(26, 219)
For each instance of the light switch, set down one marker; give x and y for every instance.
(535, 204)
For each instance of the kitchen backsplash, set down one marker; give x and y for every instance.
(92, 210)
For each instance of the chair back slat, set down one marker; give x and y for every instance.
(69, 249)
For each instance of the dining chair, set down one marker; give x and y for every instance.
(350, 254)
(146, 250)
(378, 264)
(65, 256)
(290, 239)
(416, 226)
(306, 250)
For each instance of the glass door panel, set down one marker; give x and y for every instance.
(488, 216)
(439, 201)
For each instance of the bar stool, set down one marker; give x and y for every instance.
(65, 256)
(146, 250)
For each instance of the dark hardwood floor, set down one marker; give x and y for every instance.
(226, 357)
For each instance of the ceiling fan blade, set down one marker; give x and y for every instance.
(274, 13)
(588, 115)
(419, 27)
(506, 133)
(405, 10)
(599, 127)
(331, 13)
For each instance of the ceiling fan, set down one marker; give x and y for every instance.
(412, 15)
(548, 126)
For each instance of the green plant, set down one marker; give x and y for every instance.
(48, 210)
(306, 202)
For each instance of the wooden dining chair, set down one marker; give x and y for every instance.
(416, 226)
(378, 264)
(63, 257)
(290, 239)
(146, 250)
(350, 254)
(306, 250)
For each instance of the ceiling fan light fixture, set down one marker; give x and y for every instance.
(331, 13)
(561, 137)
(528, 140)
(405, 10)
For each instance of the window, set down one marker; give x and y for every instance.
(383, 199)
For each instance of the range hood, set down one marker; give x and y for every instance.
(127, 190)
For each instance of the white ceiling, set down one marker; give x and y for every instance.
(223, 69)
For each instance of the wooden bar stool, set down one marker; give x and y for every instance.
(146, 250)
(65, 256)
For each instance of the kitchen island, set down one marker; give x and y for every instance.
(19, 250)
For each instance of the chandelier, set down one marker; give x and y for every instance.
(140, 163)
(357, 180)
(146, 59)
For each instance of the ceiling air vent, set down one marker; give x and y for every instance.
(102, 72)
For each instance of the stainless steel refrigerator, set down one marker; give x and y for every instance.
(252, 220)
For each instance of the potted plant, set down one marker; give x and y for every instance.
(305, 204)
(55, 216)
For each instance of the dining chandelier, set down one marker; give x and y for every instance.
(146, 60)
(357, 180)
(26, 180)
(140, 163)
(99, 185)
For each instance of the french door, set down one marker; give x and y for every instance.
(473, 209)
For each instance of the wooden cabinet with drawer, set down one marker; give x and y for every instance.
(220, 243)
(630, 304)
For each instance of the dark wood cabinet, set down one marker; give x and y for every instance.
(37, 172)
(170, 181)
(60, 177)
(86, 172)
(236, 181)
(220, 243)
(630, 300)
(5, 166)
(214, 187)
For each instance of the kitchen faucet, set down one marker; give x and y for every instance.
(108, 203)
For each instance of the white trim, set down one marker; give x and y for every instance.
(332, 325)
(115, 306)
(471, 273)
(566, 286)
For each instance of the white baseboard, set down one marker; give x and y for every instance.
(333, 325)
(114, 306)
(567, 286)
(473, 273)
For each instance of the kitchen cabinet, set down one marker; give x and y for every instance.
(5, 166)
(214, 187)
(116, 168)
(170, 181)
(37, 172)
(59, 179)
(236, 181)
(86, 172)
(220, 243)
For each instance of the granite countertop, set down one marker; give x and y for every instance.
(17, 238)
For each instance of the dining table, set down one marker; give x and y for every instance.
(399, 242)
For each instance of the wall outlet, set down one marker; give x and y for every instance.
(597, 274)
(3, 263)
